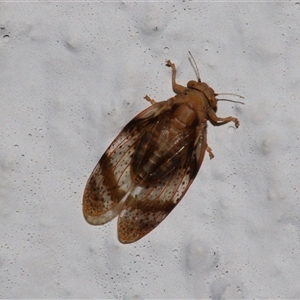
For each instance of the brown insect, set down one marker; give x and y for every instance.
(150, 165)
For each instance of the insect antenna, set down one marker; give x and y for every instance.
(240, 102)
(230, 94)
(228, 100)
(194, 65)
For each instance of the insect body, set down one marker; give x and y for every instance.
(148, 168)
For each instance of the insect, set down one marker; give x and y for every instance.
(150, 165)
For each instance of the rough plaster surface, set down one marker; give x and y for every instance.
(73, 74)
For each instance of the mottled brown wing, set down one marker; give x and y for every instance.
(111, 181)
(147, 206)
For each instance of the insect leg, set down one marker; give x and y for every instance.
(152, 101)
(201, 129)
(209, 150)
(177, 88)
(216, 121)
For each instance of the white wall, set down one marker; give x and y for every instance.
(73, 74)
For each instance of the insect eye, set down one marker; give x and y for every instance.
(191, 84)
(213, 103)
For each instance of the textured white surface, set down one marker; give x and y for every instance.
(73, 74)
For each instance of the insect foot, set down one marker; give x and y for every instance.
(210, 153)
(170, 64)
(236, 122)
(147, 98)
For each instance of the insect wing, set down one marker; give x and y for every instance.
(146, 207)
(111, 180)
